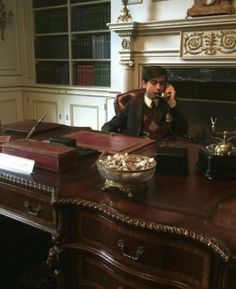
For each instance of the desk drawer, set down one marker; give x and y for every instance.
(89, 272)
(31, 205)
(153, 254)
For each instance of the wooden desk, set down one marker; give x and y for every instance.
(181, 233)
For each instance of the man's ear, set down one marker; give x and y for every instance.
(144, 84)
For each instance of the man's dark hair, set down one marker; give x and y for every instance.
(150, 72)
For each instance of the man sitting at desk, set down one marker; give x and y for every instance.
(155, 113)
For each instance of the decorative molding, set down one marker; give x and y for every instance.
(205, 44)
(173, 26)
(126, 32)
(30, 184)
(129, 64)
(5, 18)
(130, 34)
(10, 66)
(211, 243)
(127, 59)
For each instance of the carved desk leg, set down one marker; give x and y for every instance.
(54, 255)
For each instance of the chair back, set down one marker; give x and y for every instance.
(122, 98)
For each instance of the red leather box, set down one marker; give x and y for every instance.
(109, 142)
(47, 156)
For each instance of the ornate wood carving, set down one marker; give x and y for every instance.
(212, 243)
(54, 252)
(218, 44)
(131, 33)
(30, 184)
(5, 18)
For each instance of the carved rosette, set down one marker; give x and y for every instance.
(214, 44)
(228, 41)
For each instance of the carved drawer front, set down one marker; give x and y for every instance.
(155, 255)
(91, 272)
(32, 206)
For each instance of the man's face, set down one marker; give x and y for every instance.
(155, 86)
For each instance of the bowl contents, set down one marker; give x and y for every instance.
(127, 172)
(126, 162)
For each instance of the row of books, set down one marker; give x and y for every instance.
(95, 47)
(97, 74)
(47, 3)
(92, 47)
(91, 17)
(83, 19)
(93, 74)
(51, 21)
(52, 73)
(51, 47)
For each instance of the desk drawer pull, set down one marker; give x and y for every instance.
(29, 210)
(139, 252)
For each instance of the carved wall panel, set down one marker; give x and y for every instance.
(208, 44)
(9, 42)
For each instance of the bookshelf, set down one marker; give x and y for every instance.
(72, 42)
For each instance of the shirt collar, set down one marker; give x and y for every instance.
(148, 101)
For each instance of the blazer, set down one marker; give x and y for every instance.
(130, 120)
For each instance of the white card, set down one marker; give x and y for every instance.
(16, 164)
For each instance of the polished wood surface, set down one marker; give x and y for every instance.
(193, 202)
(179, 233)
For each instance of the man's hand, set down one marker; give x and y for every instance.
(170, 91)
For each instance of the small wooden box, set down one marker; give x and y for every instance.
(47, 156)
(172, 161)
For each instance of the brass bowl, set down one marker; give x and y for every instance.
(128, 181)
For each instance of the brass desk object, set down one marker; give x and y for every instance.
(224, 147)
(218, 160)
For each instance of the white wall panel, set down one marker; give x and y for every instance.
(11, 105)
(9, 46)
